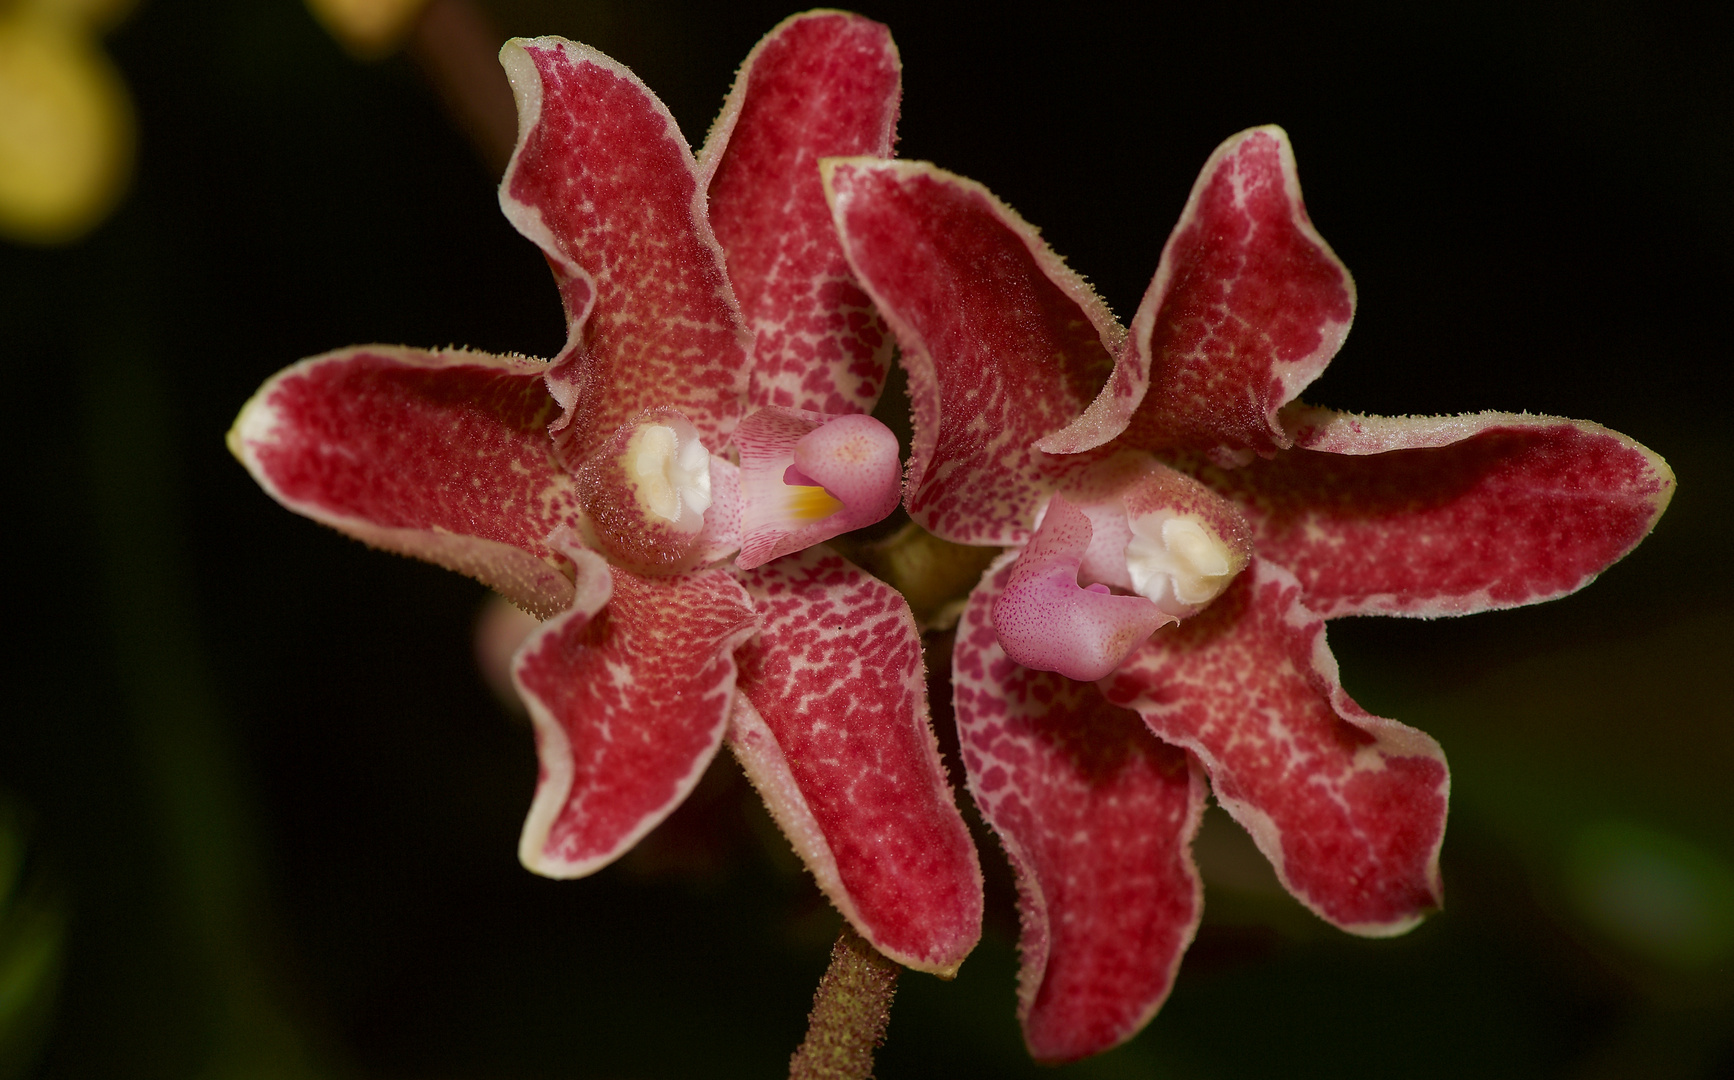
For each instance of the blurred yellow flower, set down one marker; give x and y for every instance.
(66, 121)
(367, 28)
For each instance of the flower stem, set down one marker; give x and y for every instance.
(457, 47)
(850, 1011)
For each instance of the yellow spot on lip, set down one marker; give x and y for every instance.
(810, 503)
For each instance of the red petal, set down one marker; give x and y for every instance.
(1349, 807)
(1098, 818)
(822, 84)
(1003, 343)
(629, 708)
(1247, 307)
(1448, 515)
(837, 739)
(440, 455)
(604, 183)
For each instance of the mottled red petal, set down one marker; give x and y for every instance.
(1003, 343)
(822, 84)
(1097, 817)
(1447, 515)
(1348, 807)
(440, 455)
(629, 707)
(1247, 307)
(837, 739)
(604, 183)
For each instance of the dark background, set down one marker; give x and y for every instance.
(278, 809)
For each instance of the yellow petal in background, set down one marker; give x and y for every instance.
(94, 15)
(367, 28)
(66, 130)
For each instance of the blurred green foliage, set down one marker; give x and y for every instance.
(32, 925)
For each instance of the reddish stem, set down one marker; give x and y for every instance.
(458, 48)
(850, 1011)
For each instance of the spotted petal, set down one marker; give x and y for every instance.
(1247, 307)
(629, 704)
(822, 84)
(1097, 817)
(832, 726)
(1451, 515)
(604, 183)
(1348, 807)
(1003, 344)
(440, 455)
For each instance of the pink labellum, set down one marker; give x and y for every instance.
(440, 455)
(1348, 807)
(629, 703)
(832, 727)
(1247, 307)
(855, 459)
(806, 477)
(1448, 515)
(1003, 343)
(604, 183)
(1046, 621)
(1097, 817)
(822, 84)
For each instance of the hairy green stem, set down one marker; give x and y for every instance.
(850, 1011)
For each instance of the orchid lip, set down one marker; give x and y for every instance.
(854, 459)
(808, 476)
(1045, 620)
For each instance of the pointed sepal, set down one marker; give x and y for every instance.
(1097, 817)
(821, 84)
(1348, 807)
(441, 455)
(1002, 342)
(1431, 516)
(604, 183)
(629, 702)
(1247, 307)
(832, 726)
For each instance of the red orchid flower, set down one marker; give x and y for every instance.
(1180, 527)
(709, 311)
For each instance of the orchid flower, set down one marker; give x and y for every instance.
(709, 312)
(1178, 529)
